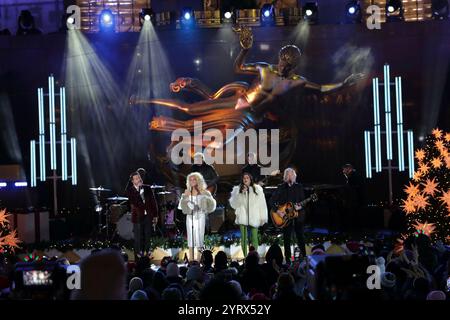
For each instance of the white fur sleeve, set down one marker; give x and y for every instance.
(236, 199)
(208, 203)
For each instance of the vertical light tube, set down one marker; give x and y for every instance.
(376, 111)
(33, 163)
(387, 110)
(368, 154)
(73, 158)
(399, 110)
(411, 153)
(42, 172)
(51, 100)
(62, 101)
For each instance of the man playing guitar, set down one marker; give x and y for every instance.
(207, 171)
(291, 191)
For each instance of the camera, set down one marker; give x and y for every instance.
(40, 279)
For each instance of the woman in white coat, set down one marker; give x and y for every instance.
(249, 203)
(196, 202)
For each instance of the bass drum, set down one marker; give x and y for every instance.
(125, 227)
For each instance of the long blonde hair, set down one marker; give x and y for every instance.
(200, 181)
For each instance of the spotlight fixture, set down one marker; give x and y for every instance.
(440, 9)
(227, 15)
(311, 12)
(26, 24)
(187, 17)
(353, 12)
(106, 20)
(394, 10)
(146, 14)
(267, 14)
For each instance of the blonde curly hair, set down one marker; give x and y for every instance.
(200, 181)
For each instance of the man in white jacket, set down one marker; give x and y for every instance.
(249, 203)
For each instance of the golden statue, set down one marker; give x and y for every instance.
(275, 80)
(238, 105)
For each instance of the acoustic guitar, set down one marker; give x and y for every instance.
(289, 212)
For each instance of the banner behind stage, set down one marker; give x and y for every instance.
(114, 138)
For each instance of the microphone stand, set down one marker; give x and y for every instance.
(192, 228)
(248, 217)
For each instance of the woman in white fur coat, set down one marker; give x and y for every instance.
(249, 203)
(196, 202)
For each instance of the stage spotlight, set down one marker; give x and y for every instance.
(228, 16)
(311, 12)
(353, 12)
(26, 24)
(394, 10)
(187, 17)
(440, 9)
(106, 20)
(146, 14)
(267, 14)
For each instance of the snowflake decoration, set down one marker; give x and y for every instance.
(421, 201)
(3, 217)
(430, 187)
(447, 137)
(446, 198)
(420, 154)
(412, 190)
(424, 168)
(425, 228)
(408, 206)
(436, 162)
(447, 162)
(437, 133)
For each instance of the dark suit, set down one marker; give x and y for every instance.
(353, 201)
(295, 194)
(142, 214)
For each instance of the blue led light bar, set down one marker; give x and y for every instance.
(52, 121)
(387, 110)
(377, 129)
(62, 101)
(33, 163)
(42, 169)
(399, 110)
(368, 154)
(410, 153)
(73, 158)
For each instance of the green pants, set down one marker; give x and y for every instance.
(244, 239)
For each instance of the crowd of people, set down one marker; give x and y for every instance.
(419, 272)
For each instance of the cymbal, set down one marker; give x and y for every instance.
(101, 189)
(164, 192)
(155, 186)
(117, 198)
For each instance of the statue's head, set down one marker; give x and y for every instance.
(288, 59)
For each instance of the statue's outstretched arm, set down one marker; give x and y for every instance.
(350, 80)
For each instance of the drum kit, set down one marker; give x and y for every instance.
(114, 215)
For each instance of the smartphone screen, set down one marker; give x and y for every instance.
(37, 278)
